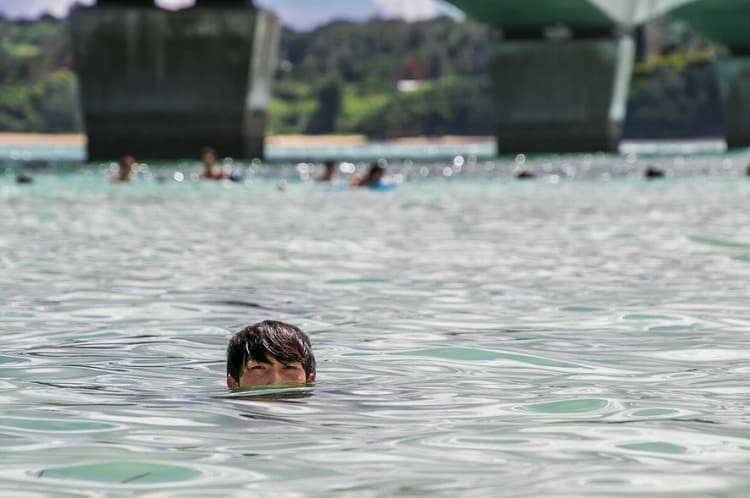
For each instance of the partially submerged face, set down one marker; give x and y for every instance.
(269, 353)
(270, 372)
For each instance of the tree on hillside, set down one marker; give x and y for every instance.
(329, 106)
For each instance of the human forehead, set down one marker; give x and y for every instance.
(270, 360)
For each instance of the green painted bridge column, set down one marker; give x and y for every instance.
(159, 84)
(562, 95)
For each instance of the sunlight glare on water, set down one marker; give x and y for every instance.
(585, 333)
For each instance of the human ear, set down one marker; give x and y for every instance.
(231, 383)
(311, 378)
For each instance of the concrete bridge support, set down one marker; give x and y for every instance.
(562, 95)
(725, 22)
(161, 85)
(734, 81)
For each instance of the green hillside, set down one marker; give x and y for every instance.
(342, 78)
(38, 90)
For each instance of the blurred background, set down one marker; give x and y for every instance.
(370, 70)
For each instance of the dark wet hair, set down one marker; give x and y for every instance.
(24, 177)
(257, 342)
(208, 150)
(654, 172)
(377, 169)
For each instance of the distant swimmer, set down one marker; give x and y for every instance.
(236, 177)
(329, 174)
(24, 177)
(125, 169)
(211, 170)
(525, 174)
(653, 172)
(269, 353)
(373, 179)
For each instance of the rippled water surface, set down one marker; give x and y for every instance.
(586, 333)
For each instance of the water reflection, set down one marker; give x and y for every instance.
(473, 333)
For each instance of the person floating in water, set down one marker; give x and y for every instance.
(211, 170)
(524, 174)
(329, 174)
(24, 177)
(125, 169)
(373, 179)
(653, 172)
(269, 353)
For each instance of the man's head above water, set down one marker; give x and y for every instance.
(269, 353)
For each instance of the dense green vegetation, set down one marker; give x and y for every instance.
(38, 90)
(343, 78)
(675, 97)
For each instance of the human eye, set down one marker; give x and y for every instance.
(292, 367)
(257, 366)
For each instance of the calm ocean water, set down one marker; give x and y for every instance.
(586, 333)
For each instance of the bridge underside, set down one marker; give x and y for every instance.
(534, 13)
(723, 21)
(159, 84)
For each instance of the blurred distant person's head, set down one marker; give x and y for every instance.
(654, 172)
(373, 176)
(329, 173)
(525, 174)
(376, 173)
(24, 177)
(208, 157)
(125, 168)
(211, 170)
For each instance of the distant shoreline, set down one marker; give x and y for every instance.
(79, 139)
(42, 139)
